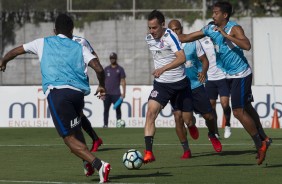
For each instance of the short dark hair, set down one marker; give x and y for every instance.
(158, 15)
(225, 7)
(64, 24)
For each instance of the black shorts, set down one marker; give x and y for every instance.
(201, 101)
(241, 92)
(217, 87)
(65, 106)
(178, 93)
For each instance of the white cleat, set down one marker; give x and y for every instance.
(227, 132)
(104, 172)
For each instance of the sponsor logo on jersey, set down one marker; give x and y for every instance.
(162, 44)
(77, 40)
(165, 35)
(149, 37)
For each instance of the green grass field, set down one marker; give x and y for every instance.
(31, 155)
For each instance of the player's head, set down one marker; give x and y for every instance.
(113, 58)
(156, 23)
(64, 25)
(175, 26)
(221, 12)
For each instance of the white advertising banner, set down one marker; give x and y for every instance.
(26, 106)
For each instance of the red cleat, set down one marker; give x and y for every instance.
(149, 157)
(96, 145)
(216, 144)
(194, 133)
(88, 169)
(187, 154)
(262, 153)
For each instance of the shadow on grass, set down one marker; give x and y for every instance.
(225, 153)
(123, 176)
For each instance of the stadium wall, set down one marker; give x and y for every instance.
(126, 37)
(26, 106)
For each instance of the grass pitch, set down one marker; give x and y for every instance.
(38, 155)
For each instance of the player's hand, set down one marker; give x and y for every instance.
(219, 29)
(201, 77)
(158, 72)
(100, 93)
(2, 66)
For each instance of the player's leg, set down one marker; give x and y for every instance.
(66, 118)
(153, 110)
(241, 97)
(182, 134)
(107, 104)
(211, 88)
(224, 92)
(202, 105)
(86, 125)
(253, 113)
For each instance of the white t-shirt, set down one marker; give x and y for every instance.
(36, 47)
(214, 73)
(163, 51)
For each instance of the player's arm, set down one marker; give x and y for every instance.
(11, 55)
(123, 85)
(205, 66)
(100, 73)
(183, 38)
(237, 36)
(179, 60)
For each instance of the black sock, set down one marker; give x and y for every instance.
(262, 134)
(86, 125)
(149, 142)
(227, 114)
(97, 164)
(185, 145)
(257, 141)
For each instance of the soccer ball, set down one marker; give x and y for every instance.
(120, 123)
(132, 159)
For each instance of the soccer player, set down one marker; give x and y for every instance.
(85, 123)
(115, 77)
(230, 41)
(170, 82)
(196, 67)
(217, 85)
(64, 82)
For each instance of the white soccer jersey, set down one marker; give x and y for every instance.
(163, 51)
(83, 42)
(214, 73)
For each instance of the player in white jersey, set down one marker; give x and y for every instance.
(86, 125)
(217, 85)
(170, 82)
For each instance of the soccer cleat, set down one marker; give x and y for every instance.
(262, 153)
(215, 143)
(194, 133)
(227, 132)
(96, 145)
(149, 157)
(268, 141)
(187, 154)
(88, 169)
(104, 172)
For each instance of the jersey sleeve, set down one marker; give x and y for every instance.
(34, 46)
(87, 44)
(199, 49)
(87, 56)
(173, 41)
